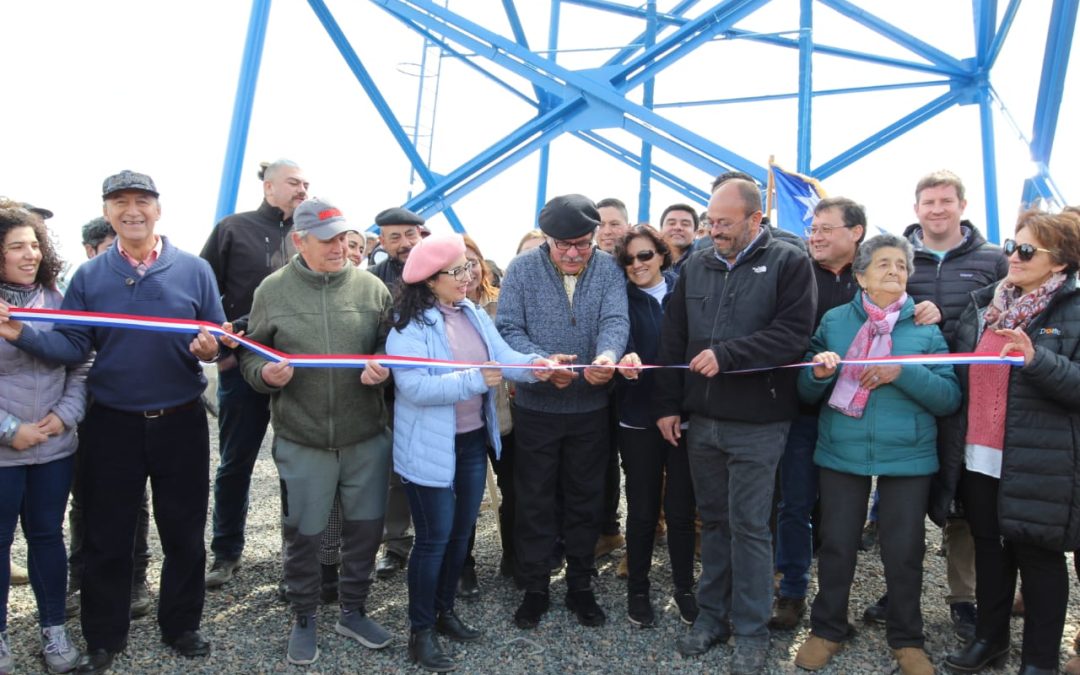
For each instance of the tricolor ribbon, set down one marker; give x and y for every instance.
(161, 325)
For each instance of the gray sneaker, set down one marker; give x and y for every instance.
(358, 626)
(221, 572)
(749, 658)
(700, 639)
(7, 660)
(60, 655)
(303, 642)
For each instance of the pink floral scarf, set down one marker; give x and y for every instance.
(1012, 308)
(873, 339)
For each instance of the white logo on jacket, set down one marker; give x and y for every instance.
(760, 269)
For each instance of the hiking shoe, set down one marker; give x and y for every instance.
(787, 612)
(533, 606)
(608, 543)
(60, 655)
(140, 600)
(963, 615)
(688, 607)
(640, 610)
(362, 628)
(623, 570)
(699, 640)
(221, 572)
(583, 604)
(749, 658)
(876, 612)
(303, 641)
(816, 652)
(19, 575)
(869, 536)
(388, 564)
(913, 661)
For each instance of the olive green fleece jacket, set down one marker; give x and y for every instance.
(298, 311)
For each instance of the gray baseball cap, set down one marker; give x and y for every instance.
(320, 219)
(128, 180)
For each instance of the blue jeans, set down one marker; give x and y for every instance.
(443, 519)
(243, 414)
(798, 492)
(733, 467)
(37, 492)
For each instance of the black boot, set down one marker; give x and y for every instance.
(328, 591)
(978, 654)
(468, 588)
(451, 625)
(425, 651)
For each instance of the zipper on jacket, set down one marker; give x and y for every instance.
(722, 296)
(329, 371)
(268, 256)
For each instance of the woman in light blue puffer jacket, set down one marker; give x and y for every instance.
(444, 420)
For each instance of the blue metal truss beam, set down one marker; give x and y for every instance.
(563, 83)
(675, 16)
(624, 10)
(377, 99)
(1002, 32)
(986, 124)
(806, 84)
(889, 133)
(627, 157)
(789, 43)
(819, 92)
(901, 38)
(647, 95)
(242, 107)
(646, 65)
(1051, 86)
(984, 14)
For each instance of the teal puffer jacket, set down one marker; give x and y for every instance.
(897, 433)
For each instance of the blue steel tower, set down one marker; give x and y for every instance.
(618, 93)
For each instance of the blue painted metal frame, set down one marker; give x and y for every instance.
(582, 102)
(242, 108)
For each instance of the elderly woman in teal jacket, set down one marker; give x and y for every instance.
(443, 421)
(877, 420)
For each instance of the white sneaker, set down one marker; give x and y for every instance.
(60, 655)
(7, 661)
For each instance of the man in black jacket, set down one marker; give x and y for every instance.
(746, 304)
(243, 249)
(952, 259)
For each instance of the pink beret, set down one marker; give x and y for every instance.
(431, 255)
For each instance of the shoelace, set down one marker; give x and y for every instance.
(58, 642)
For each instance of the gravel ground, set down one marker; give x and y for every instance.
(248, 626)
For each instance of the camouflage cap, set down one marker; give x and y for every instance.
(128, 180)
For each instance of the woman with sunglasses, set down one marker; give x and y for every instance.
(444, 419)
(655, 471)
(1012, 455)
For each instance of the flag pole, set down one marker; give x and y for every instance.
(770, 188)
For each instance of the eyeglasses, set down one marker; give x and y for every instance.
(567, 245)
(640, 256)
(461, 272)
(1025, 251)
(822, 229)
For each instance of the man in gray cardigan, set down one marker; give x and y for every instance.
(566, 301)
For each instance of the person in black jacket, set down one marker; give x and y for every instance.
(747, 303)
(655, 471)
(952, 259)
(243, 249)
(1012, 457)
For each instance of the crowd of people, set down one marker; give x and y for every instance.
(606, 357)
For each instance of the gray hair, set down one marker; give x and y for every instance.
(272, 168)
(865, 253)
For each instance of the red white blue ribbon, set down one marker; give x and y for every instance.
(191, 326)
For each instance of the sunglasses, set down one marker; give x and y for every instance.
(1025, 251)
(640, 256)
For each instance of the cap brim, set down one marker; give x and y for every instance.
(328, 230)
(129, 189)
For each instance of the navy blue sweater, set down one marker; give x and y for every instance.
(634, 397)
(135, 369)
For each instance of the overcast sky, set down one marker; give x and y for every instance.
(96, 87)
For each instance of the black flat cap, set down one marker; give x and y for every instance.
(43, 212)
(398, 216)
(128, 180)
(569, 217)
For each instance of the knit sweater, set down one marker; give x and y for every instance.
(134, 370)
(536, 317)
(300, 311)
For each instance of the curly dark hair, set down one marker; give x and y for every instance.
(410, 303)
(646, 232)
(13, 215)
